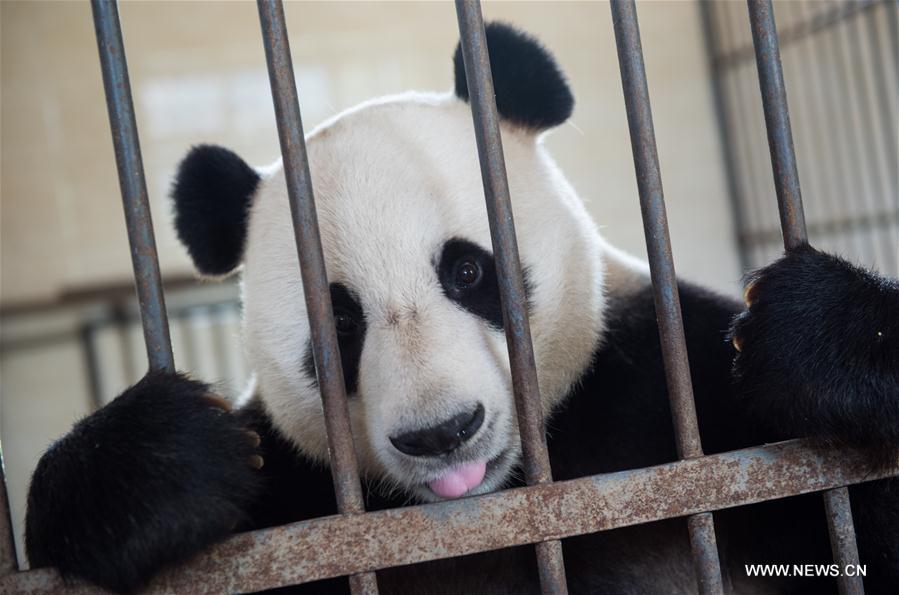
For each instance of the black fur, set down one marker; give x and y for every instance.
(83, 498)
(821, 352)
(531, 90)
(481, 299)
(344, 303)
(146, 481)
(211, 194)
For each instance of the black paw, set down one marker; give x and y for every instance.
(818, 351)
(148, 480)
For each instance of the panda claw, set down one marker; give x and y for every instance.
(216, 401)
(253, 437)
(737, 343)
(749, 293)
(255, 461)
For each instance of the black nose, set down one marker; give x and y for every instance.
(442, 438)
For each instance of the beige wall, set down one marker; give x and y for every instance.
(198, 74)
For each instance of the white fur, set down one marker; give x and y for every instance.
(394, 179)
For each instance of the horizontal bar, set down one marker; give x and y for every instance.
(325, 350)
(339, 545)
(664, 279)
(513, 298)
(133, 184)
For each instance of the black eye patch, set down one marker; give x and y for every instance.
(351, 326)
(467, 274)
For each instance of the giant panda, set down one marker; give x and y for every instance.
(167, 469)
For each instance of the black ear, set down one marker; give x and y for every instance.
(531, 90)
(212, 193)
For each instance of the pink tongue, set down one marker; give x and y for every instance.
(456, 482)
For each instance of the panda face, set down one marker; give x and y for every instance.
(408, 253)
(407, 248)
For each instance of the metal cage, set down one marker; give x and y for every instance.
(356, 543)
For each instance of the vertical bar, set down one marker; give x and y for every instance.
(822, 104)
(325, 350)
(8, 562)
(738, 202)
(88, 336)
(786, 181)
(217, 316)
(832, 89)
(133, 186)
(885, 102)
(508, 267)
(122, 320)
(664, 281)
(756, 224)
(842, 538)
(187, 355)
(777, 122)
(866, 111)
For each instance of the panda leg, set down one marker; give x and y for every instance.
(147, 481)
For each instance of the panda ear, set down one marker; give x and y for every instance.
(212, 193)
(531, 90)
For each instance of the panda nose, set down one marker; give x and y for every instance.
(443, 438)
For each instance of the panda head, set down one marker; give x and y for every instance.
(408, 254)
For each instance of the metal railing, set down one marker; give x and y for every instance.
(355, 543)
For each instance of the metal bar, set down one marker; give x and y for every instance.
(8, 562)
(847, 142)
(752, 181)
(122, 323)
(88, 338)
(866, 110)
(338, 545)
(893, 26)
(535, 455)
(326, 352)
(842, 538)
(777, 121)
(738, 201)
(886, 103)
(133, 185)
(804, 28)
(789, 199)
(837, 187)
(664, 281)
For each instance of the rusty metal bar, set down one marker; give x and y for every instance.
(842, 538)
(789, 200)
(664, 281)
(133, 185)
(535, 456)
(777, 121)
(325, 350)
(339, 545)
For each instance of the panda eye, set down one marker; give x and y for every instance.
(467, 274)
(345, 323)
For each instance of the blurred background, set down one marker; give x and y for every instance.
(70, 338)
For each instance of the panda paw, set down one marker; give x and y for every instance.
(817, 351)
(148, 480)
